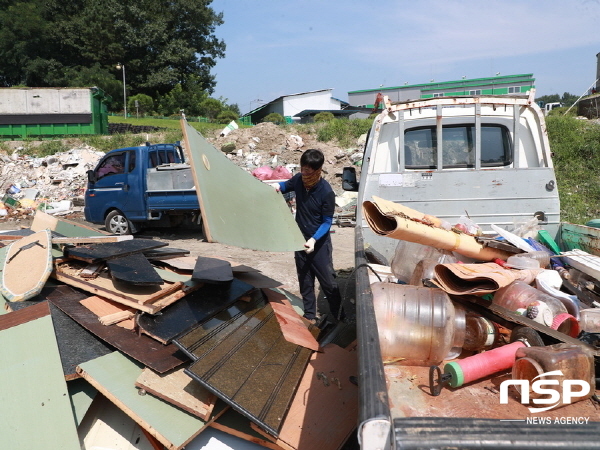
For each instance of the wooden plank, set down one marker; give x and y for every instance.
(91, 239)
(237, 216)
(193, 309)
(104, 252)
(212, 270)
(32, 256)
(160, 358)
(107, 427)
(92, 270)
(134, 269)
(295, 329)
(114, 376)
(43, 221)
(144, 298)
(108, 312)
(34, 414)
(324, 411)
(178, 389)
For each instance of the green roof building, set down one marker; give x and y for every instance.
(498, 85)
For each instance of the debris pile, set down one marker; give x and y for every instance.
(170, 343)
(52, 183)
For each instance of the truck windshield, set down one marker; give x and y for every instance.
(458, 147)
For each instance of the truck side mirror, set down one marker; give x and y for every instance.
(91, 176)
(349, 181)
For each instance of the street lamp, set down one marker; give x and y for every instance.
(119, 66)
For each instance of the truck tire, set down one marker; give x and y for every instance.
(117, 223)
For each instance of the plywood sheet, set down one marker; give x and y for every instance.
(212, 270)
(134, 269)
(252, 215)
(107, 427)
(148, 351)
(114, 376)
(26, 267)
(34, 414)
(149, 299)
(75, 343)
(43, 221)
(295, 329)
(193, 309)
(324, 411)
(104, 252)
(247, 363)
(178, 389)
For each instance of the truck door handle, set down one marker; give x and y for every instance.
(126, 187)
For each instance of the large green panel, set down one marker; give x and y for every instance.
(237, 208)
(114, 375)
(35, 409)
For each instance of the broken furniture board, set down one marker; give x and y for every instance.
(252, 215)
(166, 253)
(30, 255)
(43, 221)
(179, 389)
(36, 412)
(245, 360)
(234, 424)
(212, 270)
(75, 343)
(192, 310)
(104, 252)
(134, 269)
(82, 395)
(91, 239)
(110, 312)
(173, 277)
(294, 327)
(107, 427)
(114, 376)
(324, 412)
(150, 299)
(187, 263)
(144, 349)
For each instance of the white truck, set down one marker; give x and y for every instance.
(487, 158)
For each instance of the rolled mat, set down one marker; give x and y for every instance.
(396, 221)
(478, 279)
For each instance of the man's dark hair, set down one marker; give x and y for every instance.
(312, 158)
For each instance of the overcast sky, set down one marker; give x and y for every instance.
(280, 47)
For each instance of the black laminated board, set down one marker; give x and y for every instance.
(111, 250)
(166, 253)
(75, 344)
(134, 269)
(193, 309)
(212, 270)
(144, 349)
(246, 362)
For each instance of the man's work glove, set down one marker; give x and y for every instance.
(275, 186)
(309, 246)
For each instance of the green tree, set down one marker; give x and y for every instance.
(274, 118)
(324, 116)
(161, 43)
(211, 107)
(227, 116)
(144, 102)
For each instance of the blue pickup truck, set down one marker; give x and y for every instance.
(134, 187)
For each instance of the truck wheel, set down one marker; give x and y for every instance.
(117, 223)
